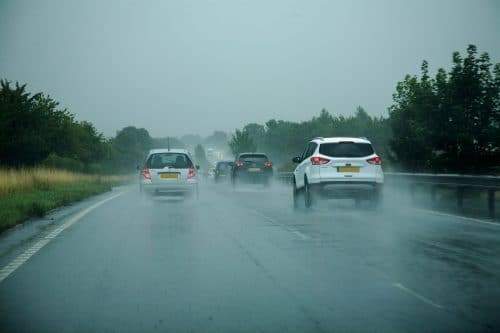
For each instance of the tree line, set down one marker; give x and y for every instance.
(449, 123)
(35, 131)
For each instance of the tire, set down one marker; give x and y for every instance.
(308, 196)
(295, 195)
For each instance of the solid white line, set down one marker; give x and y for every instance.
(26, 255)
(470, 219)
(420, 297)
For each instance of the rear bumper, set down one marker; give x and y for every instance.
(169, 188)
(342, 189)
(253, 176)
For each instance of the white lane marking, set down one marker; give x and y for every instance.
(284, 226)
(26, 255)
(470, 219)
(301, 235)
(417, 295)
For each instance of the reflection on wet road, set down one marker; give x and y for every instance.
(244, 261)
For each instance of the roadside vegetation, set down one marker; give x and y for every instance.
(27, 193)
(448, 124)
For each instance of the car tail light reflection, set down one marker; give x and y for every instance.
(239, 164)
(317, 160)
(375, 160)
(146, 174)
(268, 164)
(191, 173)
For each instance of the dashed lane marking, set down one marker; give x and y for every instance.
(297, 233)
(26, 255)
(417, 295)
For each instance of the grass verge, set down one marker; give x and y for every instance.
(40, 191)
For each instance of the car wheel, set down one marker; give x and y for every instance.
(308, 196)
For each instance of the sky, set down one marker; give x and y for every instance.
(179, 67)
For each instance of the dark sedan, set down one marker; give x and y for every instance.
(252, 168)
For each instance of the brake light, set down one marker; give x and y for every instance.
(146, 174)
(317, 160)
(268, 164)
(375, 160)
(191, 173)
(239, 164)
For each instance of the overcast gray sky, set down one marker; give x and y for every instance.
(177, 67)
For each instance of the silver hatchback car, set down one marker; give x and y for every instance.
(169, 172)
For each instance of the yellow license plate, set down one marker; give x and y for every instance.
(348, 169)
(254, 169)
(169, 176)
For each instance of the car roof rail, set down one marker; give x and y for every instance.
(318, 138)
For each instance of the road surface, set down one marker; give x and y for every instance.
(244, 261)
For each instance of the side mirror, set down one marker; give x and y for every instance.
(296, 159)
(197, 167)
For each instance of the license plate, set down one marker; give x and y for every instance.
(254, 169)
(348, 169)
(169, 175)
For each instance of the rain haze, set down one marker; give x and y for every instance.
(177, 67)
(250, 166)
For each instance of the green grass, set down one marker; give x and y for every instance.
(23, 205)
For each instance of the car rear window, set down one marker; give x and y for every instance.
(224, 166)
(346, 149)
(172, 160)
(256, 158)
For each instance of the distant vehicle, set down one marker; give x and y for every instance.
(338, 167)
(223, 171)
(211, 174)
(252, 168)
(169, 171)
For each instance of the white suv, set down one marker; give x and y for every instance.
(169, 171)
(338, 168)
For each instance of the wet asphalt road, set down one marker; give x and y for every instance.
(244, 261)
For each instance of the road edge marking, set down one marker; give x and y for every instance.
(27, 254)
(470, 219)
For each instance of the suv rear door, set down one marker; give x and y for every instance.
(348, 160)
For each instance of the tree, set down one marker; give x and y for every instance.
(131, 145)
(241, 142)
(201, 157)
(218, 139)
(450, 123)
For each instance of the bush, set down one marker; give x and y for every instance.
(53, 161)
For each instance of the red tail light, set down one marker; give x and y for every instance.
(239, 164)
(375, 160)
(146, 174)
(191, 173)
(316, 160)
(268, 164)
